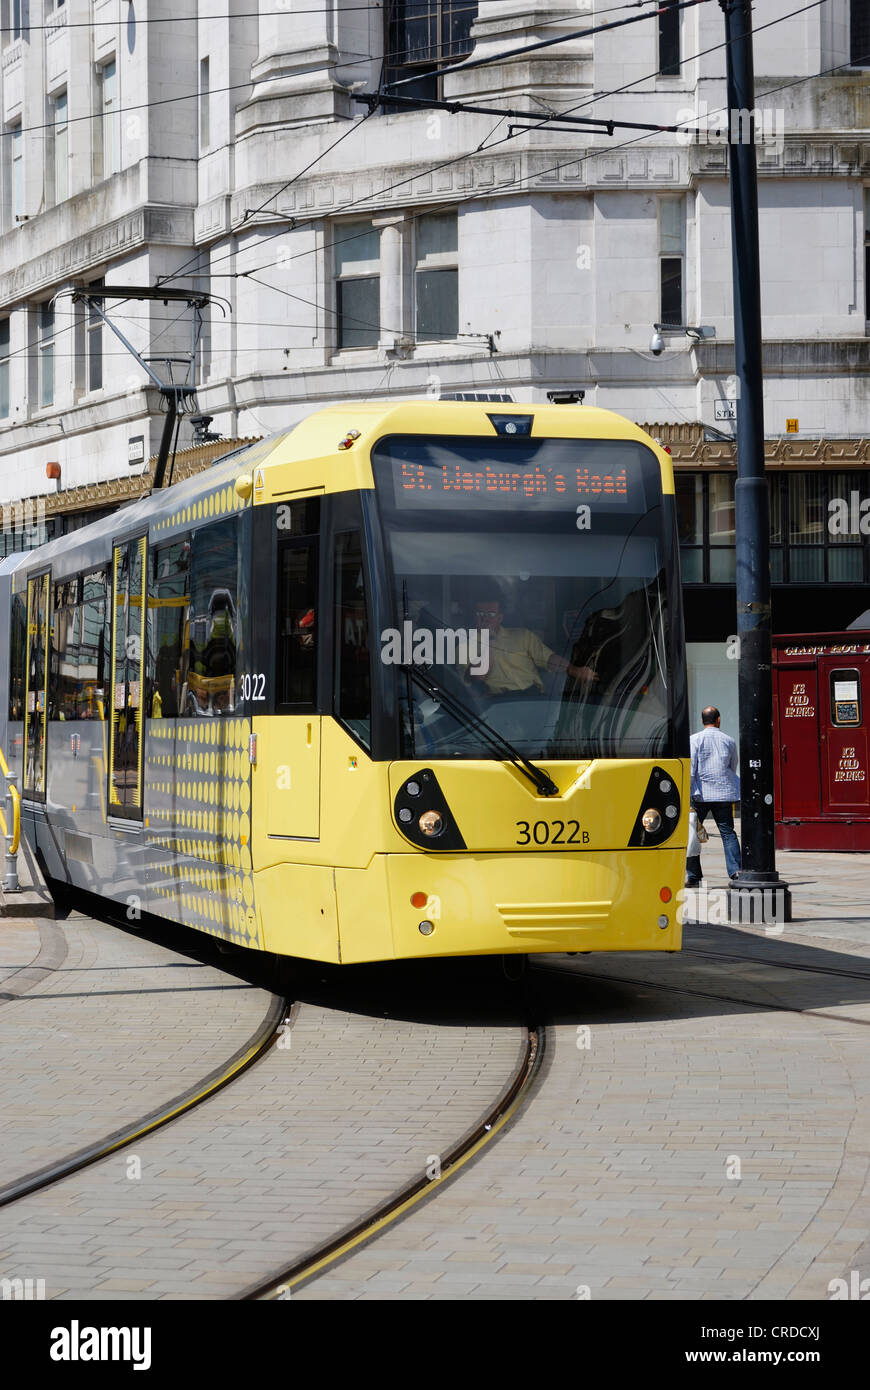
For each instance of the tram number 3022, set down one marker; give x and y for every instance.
(544, 832)
(253, 687)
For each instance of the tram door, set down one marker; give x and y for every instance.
(36, 687)
(128, 651)
(292, 742)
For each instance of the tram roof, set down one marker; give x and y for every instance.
(315, 440)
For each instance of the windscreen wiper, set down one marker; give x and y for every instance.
(465, 715)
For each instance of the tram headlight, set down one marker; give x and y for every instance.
(651, 820)
(431, 823)
(658, 814)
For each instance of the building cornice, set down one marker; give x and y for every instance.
(689, 449)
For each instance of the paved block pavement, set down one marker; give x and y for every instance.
(697, 1148)
(115, 1027)
(306, 1142)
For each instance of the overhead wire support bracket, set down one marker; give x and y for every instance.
(590, 123)
(178, 395)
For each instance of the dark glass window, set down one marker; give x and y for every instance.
(17, 654)
(36, 680)
(168, 630)
(359, 311)
(215, 622)
(859, 34)
(297, 604)
(846, 697)
(671, 291)
(125, 775)
(4, 367)
(669, 39)
(95, 343)
(815, 527)
(353, 693)
(421, 37)
(65, 643)
(94, 648)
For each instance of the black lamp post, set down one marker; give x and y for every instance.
(758, 894)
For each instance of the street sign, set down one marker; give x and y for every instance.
(791, 426)
(724, 410)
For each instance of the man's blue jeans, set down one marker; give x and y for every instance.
(723, 815)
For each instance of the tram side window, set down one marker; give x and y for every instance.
(17, 657)
(94, 648)
(65, 641)
(297, 605)
(215, 620)
(353, 691)
(169, 630)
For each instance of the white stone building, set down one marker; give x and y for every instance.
(419, 251)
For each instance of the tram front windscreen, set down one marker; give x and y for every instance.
(529, 581)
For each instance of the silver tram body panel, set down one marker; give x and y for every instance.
(182, 859)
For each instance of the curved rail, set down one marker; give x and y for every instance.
(250, 1052)
(279, 1286)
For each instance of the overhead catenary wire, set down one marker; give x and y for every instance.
(299, 223)
(454, 202)
(534, 47)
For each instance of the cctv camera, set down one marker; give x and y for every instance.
(656, 343)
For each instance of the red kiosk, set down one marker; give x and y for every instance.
(821, 704)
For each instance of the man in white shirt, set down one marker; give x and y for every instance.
(715, 786)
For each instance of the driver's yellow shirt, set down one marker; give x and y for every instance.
(515, 654)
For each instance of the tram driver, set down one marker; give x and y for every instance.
(517, 655)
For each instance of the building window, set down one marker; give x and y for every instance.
(867, 253)
(436, 277)
(669, 39)
(358, 284)
(106, 133)
(94, 343)
(859, 34)
(815, 527)
(45, 326)
(671, 256)
(12, 12)
(17, 181)
(423, 35)
(59, 133)
(5, 346)
(204, 99)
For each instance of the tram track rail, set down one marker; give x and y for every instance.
(265, 1036)
(803, 966)
(689, 990)
(401, 1203)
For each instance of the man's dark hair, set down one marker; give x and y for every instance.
(489, 595)
(710, 715)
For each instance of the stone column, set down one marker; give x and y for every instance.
(393, 270)
(294, 76)
(557, 74)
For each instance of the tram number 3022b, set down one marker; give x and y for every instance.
(544, 832)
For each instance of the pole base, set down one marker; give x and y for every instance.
(759, 900)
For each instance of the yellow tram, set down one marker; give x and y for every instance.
(407, 680)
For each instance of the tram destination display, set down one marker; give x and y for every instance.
(551, 475)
